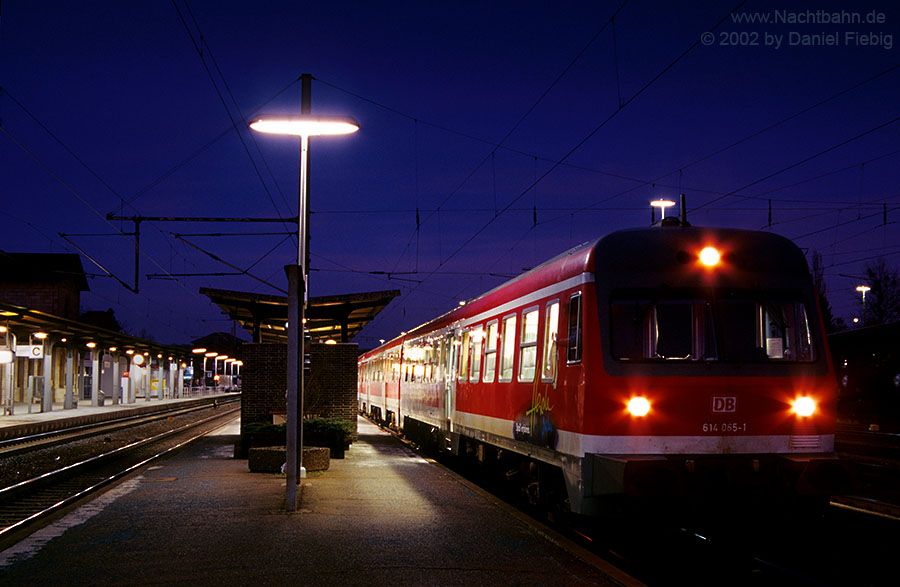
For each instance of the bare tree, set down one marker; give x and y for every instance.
(882, 302)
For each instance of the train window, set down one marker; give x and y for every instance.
(475, 346)
(528, 344)
(551, 327)
(731, 328)
(573, 350)
(673, 330)
(464, 357)
(441, 374)
(508, 342)
(490, 352)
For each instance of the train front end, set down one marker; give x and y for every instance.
(710, 374)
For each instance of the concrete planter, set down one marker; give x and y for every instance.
(269, 459)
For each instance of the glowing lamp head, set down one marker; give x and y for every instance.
(138, 359)
(804, 406)
(662, 205)
(710, 256)
(638, 406)
(307, 125)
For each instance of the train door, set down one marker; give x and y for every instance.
(453, 344)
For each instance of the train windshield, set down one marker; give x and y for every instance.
(726, 328)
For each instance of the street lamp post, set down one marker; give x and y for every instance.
(863, 289)
(662, 205)
(206, 356)
(303, 126)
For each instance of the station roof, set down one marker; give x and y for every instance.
(24, 321)
(339, 317)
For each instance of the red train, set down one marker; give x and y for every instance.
(670, 360)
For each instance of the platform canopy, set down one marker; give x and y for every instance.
(25, 322)
(337, 318)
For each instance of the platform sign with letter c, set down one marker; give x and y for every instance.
(31, 351)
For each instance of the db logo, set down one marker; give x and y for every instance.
(724, 404)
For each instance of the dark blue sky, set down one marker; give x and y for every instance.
(484, 116)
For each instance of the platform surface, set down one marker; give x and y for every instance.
(381, 516)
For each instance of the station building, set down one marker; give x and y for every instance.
(52, 357)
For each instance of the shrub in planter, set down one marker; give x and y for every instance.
(331, 432)
(260, 434)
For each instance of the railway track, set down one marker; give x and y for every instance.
(24, 503)
(30, 442)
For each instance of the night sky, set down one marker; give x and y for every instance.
(494, 135)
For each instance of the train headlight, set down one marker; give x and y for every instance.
(804, 406)
(638, 406)
(710, 256)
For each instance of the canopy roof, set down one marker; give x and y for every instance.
(338, 318)
(24, 322)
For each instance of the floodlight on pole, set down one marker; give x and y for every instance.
(662, 205)
(863, 289)
(304, 126)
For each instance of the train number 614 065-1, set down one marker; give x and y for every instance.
(725, 427)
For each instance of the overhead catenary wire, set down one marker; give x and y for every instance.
(224, 103)
(585, 139)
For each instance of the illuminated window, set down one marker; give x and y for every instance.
(573, 348)
(490, 352)
(508, 354)
(464, 357)
(475, 349)
(528, 344)
(551, 327)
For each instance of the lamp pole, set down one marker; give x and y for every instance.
(304, 126)
(863, 289)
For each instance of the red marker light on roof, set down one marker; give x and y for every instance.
(710, 257)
